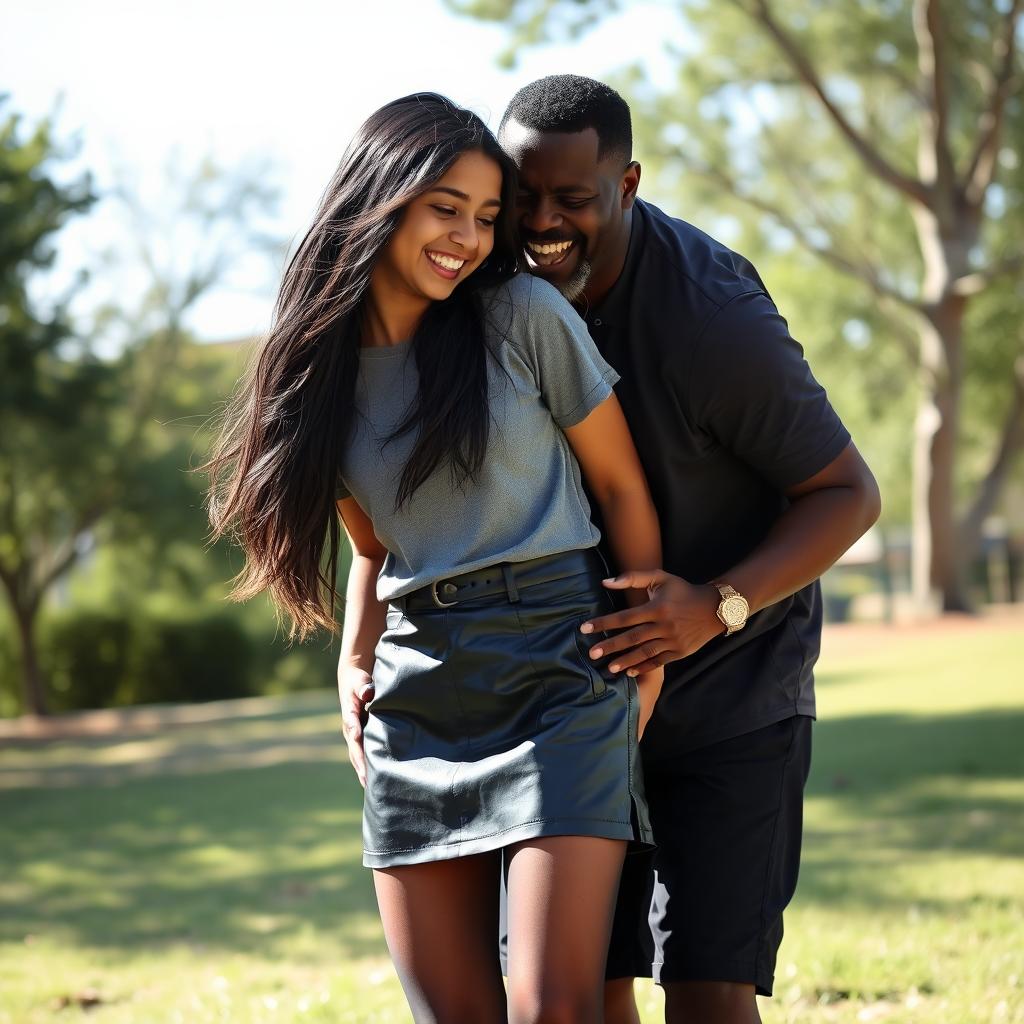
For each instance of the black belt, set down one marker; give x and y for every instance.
(504, 578)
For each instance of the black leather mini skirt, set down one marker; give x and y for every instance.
(490, 724)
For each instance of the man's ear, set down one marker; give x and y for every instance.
(629, 184)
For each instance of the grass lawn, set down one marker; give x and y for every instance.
(209, 871)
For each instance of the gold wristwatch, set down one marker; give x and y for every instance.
(732, 609)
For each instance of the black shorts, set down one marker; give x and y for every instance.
(707, 904)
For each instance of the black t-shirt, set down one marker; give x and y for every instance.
(726, 415)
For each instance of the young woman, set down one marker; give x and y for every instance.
(447, 406)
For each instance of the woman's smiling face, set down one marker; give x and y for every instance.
(444, 234)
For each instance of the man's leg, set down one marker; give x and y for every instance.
(721, 1002)
(728, 819)
(619, 1003)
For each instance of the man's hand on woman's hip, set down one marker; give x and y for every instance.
(678, 619)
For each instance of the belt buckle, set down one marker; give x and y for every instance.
(437, 600)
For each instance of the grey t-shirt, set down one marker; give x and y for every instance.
(528, 501)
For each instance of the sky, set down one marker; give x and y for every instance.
(289, 82)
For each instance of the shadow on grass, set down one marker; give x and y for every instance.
(876, 753)
(243, 860)
(894, 792)
(262, 853)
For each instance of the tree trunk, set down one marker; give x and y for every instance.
(938, 567)
(939, 564)
(926, 426)
(950, 562)
(33, 688)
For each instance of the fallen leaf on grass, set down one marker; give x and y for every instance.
(86, 1000)
(826, 996)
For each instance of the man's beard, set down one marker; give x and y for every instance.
(573, 288)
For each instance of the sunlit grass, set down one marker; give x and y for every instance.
(911, 899)
(211, 872)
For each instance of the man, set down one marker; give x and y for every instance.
(759, 490)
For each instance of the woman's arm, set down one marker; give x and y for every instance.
(607, 456)
(364, 623)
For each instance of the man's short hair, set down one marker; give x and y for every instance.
(571, 103)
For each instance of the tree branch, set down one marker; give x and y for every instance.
(972, 284)
(935, 158)
(982, 166)
(821, 217)
(863, 271)
(67, 551)
(909, 85)
(7, 578)
(801, 64)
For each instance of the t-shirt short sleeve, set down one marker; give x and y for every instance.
(572, 376)
(341, 491)
(752, 390)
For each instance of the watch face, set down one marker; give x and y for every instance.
(734, 610)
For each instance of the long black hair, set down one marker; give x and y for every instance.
(276, 465)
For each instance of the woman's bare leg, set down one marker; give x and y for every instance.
(440, 920)
(561, 899)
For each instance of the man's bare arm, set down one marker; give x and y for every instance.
(828, 512)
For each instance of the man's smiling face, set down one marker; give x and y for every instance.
(573, 207)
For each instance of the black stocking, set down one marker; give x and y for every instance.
(440, 920)
(561, 898)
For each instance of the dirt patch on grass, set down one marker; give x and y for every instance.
(850, 639)
(154, 718)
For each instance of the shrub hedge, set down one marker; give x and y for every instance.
(94, 658)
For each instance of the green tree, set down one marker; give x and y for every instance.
(84, 458)
(48, 493)
(886, 140)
